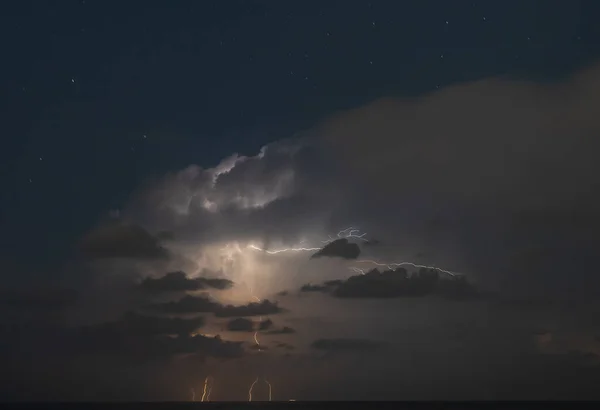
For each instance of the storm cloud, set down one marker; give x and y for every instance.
(495, 180)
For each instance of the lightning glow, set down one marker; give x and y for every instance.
(193, 394)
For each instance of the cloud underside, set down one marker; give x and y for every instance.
(394, 283)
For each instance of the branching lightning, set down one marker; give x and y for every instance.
(348, 233)
(398, 264)
(352, 233)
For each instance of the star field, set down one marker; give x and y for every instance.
(99, 96)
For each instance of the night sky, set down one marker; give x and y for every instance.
(459, 135)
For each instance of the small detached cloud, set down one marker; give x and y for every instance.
(122, 241)
(345, 344)
(240, 324)
(339, 248)
(179, 282)
(265, 324)
(264, 308)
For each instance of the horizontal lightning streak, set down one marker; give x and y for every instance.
(283, 250)
(398, 264)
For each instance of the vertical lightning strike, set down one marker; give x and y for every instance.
(270, 390)
(204, 389)
(251, 388)
(193, 394)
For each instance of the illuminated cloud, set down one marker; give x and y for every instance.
(466, 178)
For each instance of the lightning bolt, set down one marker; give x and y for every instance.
(348, 233)
(270, 390)
(251, 388)
(398, 264)
(256, 248)
(204, 396)
(260, 350)
(254, 384)
(193, 394)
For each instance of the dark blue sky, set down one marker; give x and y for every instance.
(97, 96)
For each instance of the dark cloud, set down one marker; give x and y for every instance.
(187, 304)
(265, 324)
(263, 308)
(215, 283)
(313, 288)
(345, 344)
(179, 282)
(340, 248)
(286, 330)
(240, 324)
(121, 241)
(327, 286)
(486, 159)
(397, 283)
